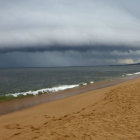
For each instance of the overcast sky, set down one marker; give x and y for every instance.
(40, 33)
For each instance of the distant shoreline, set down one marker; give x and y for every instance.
(70, 66)
(29, 101)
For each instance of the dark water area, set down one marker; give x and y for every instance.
(13, 80)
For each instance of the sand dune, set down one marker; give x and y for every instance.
(111, 113)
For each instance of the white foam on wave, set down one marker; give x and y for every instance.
(45, 90)
(49, 90)
(130, 74)
(84, 84)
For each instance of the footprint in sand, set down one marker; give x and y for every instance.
(45, 123)
(12, 126)
(34, 128)
(35, 137)
(16, 134)
(65, 116)
(46, 116)
(83, 109)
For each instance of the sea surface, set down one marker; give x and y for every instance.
(24, 81)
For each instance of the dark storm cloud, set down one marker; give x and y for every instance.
(69, 32)
(67, 58)
(84, 48)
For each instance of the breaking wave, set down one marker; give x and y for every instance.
(130, 74)
(49, 90)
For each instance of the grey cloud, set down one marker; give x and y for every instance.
(69, 32)
(31, 22)
(63, 48)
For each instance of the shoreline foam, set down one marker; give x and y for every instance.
(49, 90)
(130, 74)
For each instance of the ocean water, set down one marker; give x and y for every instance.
(34, 80)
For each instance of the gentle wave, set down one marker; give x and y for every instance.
(84, 84)
(49, 90)
(129, 74)
(46, 90)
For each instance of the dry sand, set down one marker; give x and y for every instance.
(111, 113)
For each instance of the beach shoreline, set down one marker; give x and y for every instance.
(108, 113)
(26, 102)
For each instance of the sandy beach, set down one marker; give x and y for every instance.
(111, 113)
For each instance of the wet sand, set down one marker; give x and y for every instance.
(19, 104)
(111, 113)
